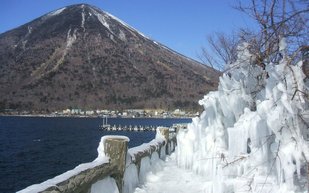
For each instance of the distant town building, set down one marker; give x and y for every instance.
(179, 112)
(75, 111)
(89, 112)
(66, 111)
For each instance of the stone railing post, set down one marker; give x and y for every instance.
(166, 133)
(116, 148)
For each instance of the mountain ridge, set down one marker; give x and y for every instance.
(79, 55)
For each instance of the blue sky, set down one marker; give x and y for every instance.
(181, 25)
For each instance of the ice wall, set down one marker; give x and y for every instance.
(107, 185)
(250, 136)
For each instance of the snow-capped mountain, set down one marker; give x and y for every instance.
(80, 56)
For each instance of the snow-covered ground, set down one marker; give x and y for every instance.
(172, 179)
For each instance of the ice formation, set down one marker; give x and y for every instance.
(250, 137)
(134, 177)
(130, 179)
(107, 185)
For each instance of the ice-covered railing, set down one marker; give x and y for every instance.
(116, 169)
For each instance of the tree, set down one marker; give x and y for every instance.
(222, 50)
(275, 20)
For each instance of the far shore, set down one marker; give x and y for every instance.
(95, 116)
(128, 113)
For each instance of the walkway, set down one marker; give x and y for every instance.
(172, 179)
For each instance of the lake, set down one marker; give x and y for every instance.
(34, 149)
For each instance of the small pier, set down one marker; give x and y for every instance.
(140, 128)
(128, 128)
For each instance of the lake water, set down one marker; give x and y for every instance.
(34, 149)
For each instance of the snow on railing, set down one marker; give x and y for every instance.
(116, 169)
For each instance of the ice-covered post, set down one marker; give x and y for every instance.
(165, 132)
(116, 147)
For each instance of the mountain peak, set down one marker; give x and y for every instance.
(84, 13)
(80, 56)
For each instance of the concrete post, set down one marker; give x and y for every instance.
(116, 148)
(165, 132)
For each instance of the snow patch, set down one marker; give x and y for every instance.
(282, 44)
(70, 38)
(24, 40)
(83, 18)
(69, 42)
(29, 30)
(57, 12)
(102, 19)
(122, 36)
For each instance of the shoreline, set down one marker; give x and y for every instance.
(94, 116)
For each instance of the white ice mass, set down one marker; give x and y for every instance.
(251, 136)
